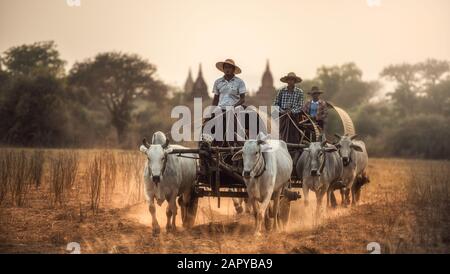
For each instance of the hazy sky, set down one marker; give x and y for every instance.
(296, 35)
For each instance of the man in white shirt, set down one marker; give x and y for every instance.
(229, 90)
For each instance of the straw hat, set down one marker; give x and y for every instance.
(315, 90)
(291, 75)
(219, 66)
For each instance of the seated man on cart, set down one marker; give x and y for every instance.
(229, 93)
(229, 90)
(316, 108)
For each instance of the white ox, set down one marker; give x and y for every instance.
(355, 160)
(267, 169)
(167, 176)
(319, 167)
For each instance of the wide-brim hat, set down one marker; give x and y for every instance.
(315, 90)
(289, 76)
(219, 66)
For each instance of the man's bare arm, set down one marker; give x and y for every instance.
(215, 100)
(241, 100)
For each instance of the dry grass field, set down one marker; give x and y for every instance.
(49, 198)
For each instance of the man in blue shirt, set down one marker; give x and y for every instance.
(316, 108)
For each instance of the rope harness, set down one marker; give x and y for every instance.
(261, 164)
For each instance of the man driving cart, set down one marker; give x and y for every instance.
(289, 100)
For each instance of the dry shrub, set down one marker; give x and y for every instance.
(109, 176)
(94, 175)
(19, 177)
(63, 173)
(36, 167)
(138, 188)
(18, 171)
(131, 170)
(126, 163)
(5, 173)
(429, 195)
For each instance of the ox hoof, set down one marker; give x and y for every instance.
(171, 229)
(156, 230)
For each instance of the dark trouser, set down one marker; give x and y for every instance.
(231, 128)
(290, 134)
(288, 131)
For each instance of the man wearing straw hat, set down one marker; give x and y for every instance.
(316, 108)
(290, 102)
(229, 90)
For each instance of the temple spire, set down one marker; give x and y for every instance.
(200, 88)
(267, 90)
(189, 82)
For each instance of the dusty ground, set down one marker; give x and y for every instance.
(401, 221)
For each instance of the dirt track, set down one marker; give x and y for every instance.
(384, 216)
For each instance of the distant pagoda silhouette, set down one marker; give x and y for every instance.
(189, 85)
(266, 92)
(200, 89)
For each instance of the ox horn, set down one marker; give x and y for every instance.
(353, 137)
(145, 143)
(167, 143)
(323, 139)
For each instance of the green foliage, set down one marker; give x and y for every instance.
(115, 80)
(343, 85)
(34, 58)
(415, 121)
(34, 112)
(420, 136)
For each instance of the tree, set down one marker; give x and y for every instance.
(420, 136)
(405, 75)
(4, 80)
(29, 59)
(437, 99)
(407, 80)
(116, 80)
(33, 98)
(343, 85)
(34, 112)
(433, 71)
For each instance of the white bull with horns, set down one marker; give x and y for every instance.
(167, 176)
(267, 170)
(320, 167)
(355, 161)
